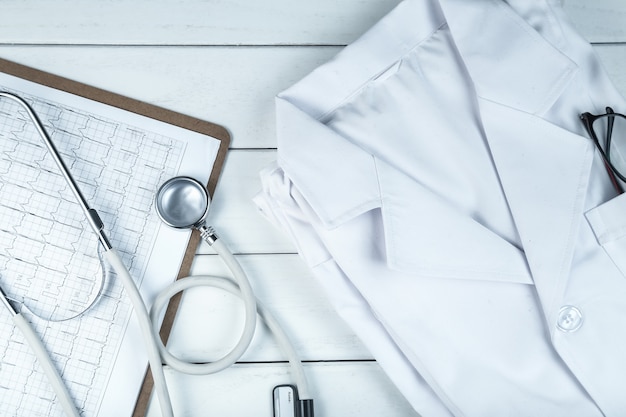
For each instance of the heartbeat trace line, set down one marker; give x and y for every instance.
(48, 256)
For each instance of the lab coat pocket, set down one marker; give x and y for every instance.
(608, 222)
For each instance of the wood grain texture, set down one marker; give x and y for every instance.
(232, 86)
(210, 320)
(342, 389)
(235, 22)
(225, 61)
(190, 22)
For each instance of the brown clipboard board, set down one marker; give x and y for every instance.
(154, 112)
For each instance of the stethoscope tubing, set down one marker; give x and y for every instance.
(43, 358)
(155, 349)
(143, 319)
(158, 353)
(92, 215)
(242, 289)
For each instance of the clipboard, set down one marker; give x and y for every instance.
(154, 112)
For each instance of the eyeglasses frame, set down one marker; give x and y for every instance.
(588, 119)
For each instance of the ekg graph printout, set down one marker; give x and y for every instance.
(49, 260)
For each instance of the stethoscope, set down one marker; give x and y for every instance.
(182, 203)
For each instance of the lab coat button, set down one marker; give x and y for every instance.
(570, 319)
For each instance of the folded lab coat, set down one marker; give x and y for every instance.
(437, 179)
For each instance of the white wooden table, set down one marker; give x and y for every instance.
(224, 61)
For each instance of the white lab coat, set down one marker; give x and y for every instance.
(436, 178)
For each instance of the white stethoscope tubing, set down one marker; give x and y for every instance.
(44, 359)
(250, 308)
(143, 319)
(158, 353)
(224, 284)
(46, 363)
(90, 214)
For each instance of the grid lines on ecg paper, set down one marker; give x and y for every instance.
(44, 237)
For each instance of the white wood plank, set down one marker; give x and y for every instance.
(233, 213)
(189, 22)
(231, 86)
(209, 320)
(353, 389)
(234, 87)
(235, 22)
(598, 21)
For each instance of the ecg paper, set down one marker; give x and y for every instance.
(49, 259)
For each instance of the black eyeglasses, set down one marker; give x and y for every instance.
(612, 148)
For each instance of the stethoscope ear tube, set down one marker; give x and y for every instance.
(91, 214)
(44, 359)
(143, 318)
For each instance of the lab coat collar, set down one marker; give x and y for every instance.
(301, 111)
(530, 73)
(531, 78)
(378, 50)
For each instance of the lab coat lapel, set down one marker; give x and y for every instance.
(424, 233)
(544, 171)
(543, 168)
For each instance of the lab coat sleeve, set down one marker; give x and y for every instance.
(308, 149)
(283, 205)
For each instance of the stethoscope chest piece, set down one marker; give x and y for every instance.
(182, 203)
